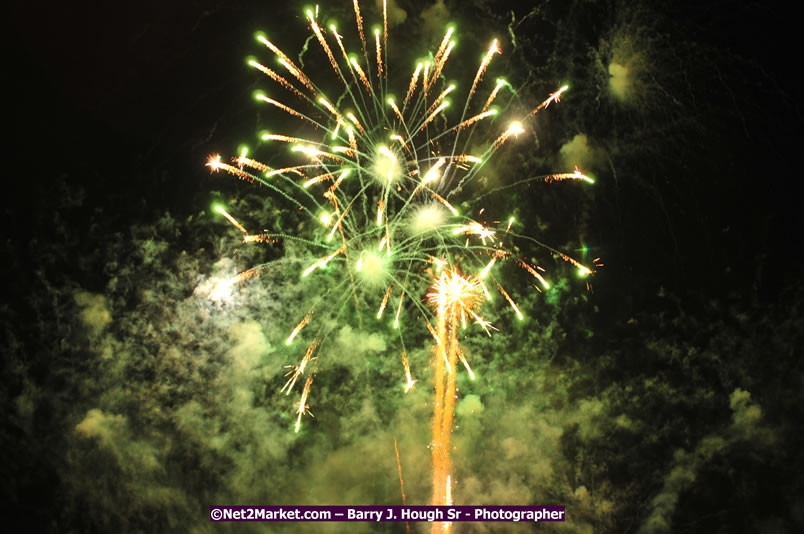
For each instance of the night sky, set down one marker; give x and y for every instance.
(663, 393)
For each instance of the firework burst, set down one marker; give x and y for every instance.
(376, 175)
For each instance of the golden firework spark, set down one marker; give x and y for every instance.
(453, 295)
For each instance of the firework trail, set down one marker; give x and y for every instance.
(374, 177)
(453, 296)
(401, 480)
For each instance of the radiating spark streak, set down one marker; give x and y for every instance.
(510, 301)
(352, 141)
(298, 328)
(440, 58)
(514, 129)
(575, 175)
(297, 370)
(487, 268)
(384, 301)
(276, 77)
(380, 206)
(295, 170)
(259, 238)
(243, 161)
(440, 97)
(362, 75)
(322, 262)
(399, 309)
(331, 191)
(303, 408)
(536, 274)
(385, 242)
(344, 150)
(445, 203)
(231, 219)
(216, 164)
(222, 289)
(493, 95)
(432, 115)
(493, 49)
(396, 110)
(510, 222)
(476, 229)
(584, 269)
(385, 27)
(286, 109)
(313, 152)
(485, 290)
(337, 225)
(401, 140)
(466, 158)
(466, 365)
(410, 382)
(287, 63)
(482, 322)
(432, 174)
(323, 42)
(412, 87)
(476, 118)
(399, 468)
(433, 332)
(379, 52)
(284, 139)
(318, 179)
(447, 366)
(332, 110)
(298, 74)
(554, 97)
(444, 42)
(439, 65)
(359, 20)
(351, 117)
(339, 40)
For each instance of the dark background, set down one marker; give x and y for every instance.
(155, 88)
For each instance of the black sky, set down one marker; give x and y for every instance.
(103, 90)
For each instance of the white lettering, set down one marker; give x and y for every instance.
(360, 515)
(422, 515)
